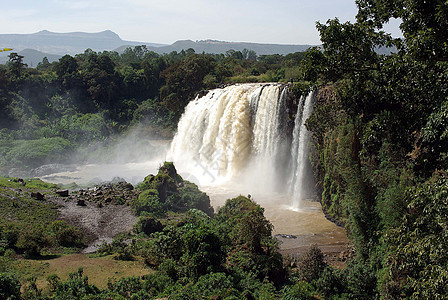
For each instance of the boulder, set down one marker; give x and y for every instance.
(62, 193)
(37, 196)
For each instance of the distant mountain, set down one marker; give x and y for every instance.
(33, 57)
(54, 45)
(67, 43)
(212, 46)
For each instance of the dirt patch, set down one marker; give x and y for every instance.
(99, 223)
(102, 211)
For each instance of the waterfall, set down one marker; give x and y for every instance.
(300, 151)
(240, 134)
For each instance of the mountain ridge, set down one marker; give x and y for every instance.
(77, 42)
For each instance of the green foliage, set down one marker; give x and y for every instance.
(311, 265)
(148, 201)
(66, 235)
(126, 286)
(9, 287)
(147, 225)
(331, 282)
(32, 240)
(76, 287)
(417, 256)
(215, 285)
(301, 290)
(33, 153)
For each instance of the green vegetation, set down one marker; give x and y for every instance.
(195, 253)
(29, 221)
(380, 155)
(49, 111)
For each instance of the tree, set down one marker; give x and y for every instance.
(67, 69)
(417, 256)
(184, 79)
(101, 80)
(423, 24)
(16, 66)
(44, 64)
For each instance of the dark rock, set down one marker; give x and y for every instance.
(37, 196)
(62, 193)
(81, 202)
(285, 236)
(19, 180)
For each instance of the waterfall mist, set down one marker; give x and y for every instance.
(245, 136)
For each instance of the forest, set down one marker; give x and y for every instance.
(379, 155)
(54, 109)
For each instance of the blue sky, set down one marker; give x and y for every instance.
(165, 21)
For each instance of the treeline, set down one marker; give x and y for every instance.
(91, 96)
(380, 131)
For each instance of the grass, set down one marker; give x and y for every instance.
(98, 269)
(17, 205)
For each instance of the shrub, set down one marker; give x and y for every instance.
(148, 201)
(301, 290)
(147, 225)
(32, 240)
(311, 264)
(65, 234)
(9, 287)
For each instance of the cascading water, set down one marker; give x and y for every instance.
(300, 151)
(240, 134)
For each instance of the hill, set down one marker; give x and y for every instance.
(46, 43)
(217, 47)
(33, 57)
(67, 43)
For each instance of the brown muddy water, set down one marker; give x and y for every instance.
(296, 230)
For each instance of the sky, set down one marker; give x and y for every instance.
(166, 21)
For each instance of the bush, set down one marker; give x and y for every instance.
(32, 240)
(147, 225)
(65, 234)
(33, 153)
(9, 287)
(148, 201)
(214, 284)
(311, 264)
(331, 282)
(301, 290)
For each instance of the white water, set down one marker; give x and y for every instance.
(300, 151)
(237, 135)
